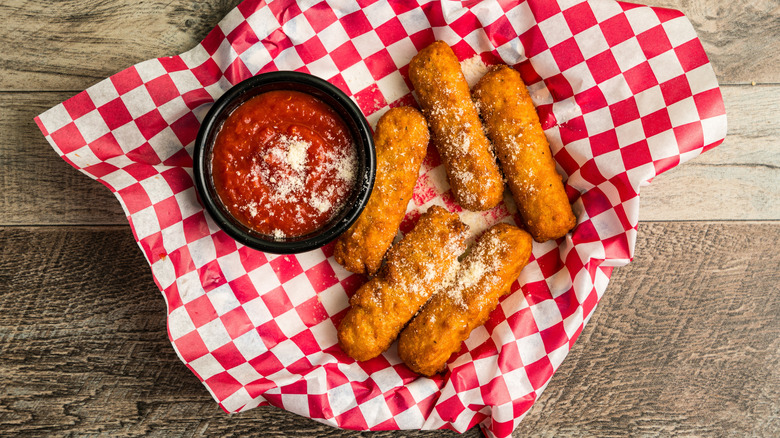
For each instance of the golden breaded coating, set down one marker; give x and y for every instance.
(457, 131)
(424, 259)
(513, 125)
(401, 140)
(448, 318)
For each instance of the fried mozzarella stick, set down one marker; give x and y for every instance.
(448, 318)
(401, 139)
(424, 259)
(513, 125)
(457, 131)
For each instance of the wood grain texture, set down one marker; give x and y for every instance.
(84, 350)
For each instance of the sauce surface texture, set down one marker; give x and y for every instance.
(284, 163)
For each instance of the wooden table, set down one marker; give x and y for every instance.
(686, 340)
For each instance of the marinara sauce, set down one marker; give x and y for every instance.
(284, 163)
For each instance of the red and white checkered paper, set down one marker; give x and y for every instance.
(624, 92)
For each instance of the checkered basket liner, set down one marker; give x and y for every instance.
(623, 91)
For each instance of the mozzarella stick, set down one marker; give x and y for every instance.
(513, 126)
(401, 140)
(457, 131)
(448, 318)
(425, 258)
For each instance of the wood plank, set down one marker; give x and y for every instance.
(686, 341)
(743, 173)
(70, 45)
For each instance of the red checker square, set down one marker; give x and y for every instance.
(178, 179)
(549, 264)
(567, 302)
(533, 41)
(237, 72)
(589, 303)
(106, 147)
(509, 358)
(181, 261)
(689, 137)
(665, 15)
(207, 73)
(620, 211)
(691, 54)
(306, 342)
(237, 322)
(580, 17)
(380, 64)
(334, 377)
(432, 158)
(424, 190)
(243, 289)
(464, 377)
(591, 99)
(567, 54)
(591, 173)
(276, 301)
(603, 66)
(223, 385)
(709, 103)
(604, 142)
(528, 73)
(500, 31)
(573, 130)
(595, 202)
(616, 29)
(352, 419)
(391, 32)
(115, 113)
(616, 247)
(485, 349)
(276, 43)
(172, 297)
(311, 50)
(79, 105)
(271, 334)
(173, 63)
(564, 158)
(140, 171)
(149, 245)
(162, 89)
(191, 346)
(654, 42)
(328, 249)
(624, 111)
(504, 428)
(251, 259)
(196, 98)
(126, 80)
(539, 372)
(575, 335)
(167, 212)
(186, 128)
(434, 14)
(213, 40)
(543, 9)
(135, 198)
(574, 265)
(179, 159)
(228, 356)
(286, 10)
(371, 366)
(223, 244)
(584, 233)
(665, 164)
(286, 268)
(345, 56)
(356, 24)
(655, 123)
(401, 7)
(100, 170)
(201, 311)
(389, 424)
(399, 400)
(195, 227)
(312, 312)
(537, 291)
(495, 392)
(322, 276)
(300, 366)
(144, 154)
(151, 123)
(242, 37)
(675, 90)
(370, 99)
(464, 25)
(522, 323)
(339, 82)
(640, 78)
(320, 16)
(559, 87)
(422, 39)
(352, 283)
(450, 409)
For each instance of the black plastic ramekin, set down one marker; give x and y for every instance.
(295, 81)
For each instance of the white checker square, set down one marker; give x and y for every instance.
(223, 299)
(714, 129)
(264, 278)
(173, 237)
(250, 345)
(145, 223)
(290, 323)
(598, 121)
(610, 164)
(119, 179)
(546, 314)
(545, 65)
(296, 403)
(512, 52)
(387, 379)
(195, 56)
(641, 175)
(324, 67)
(642, 19)
(298, 29)
(179, 323)
(513, 303)
(477, 337)
(257, 312)
(231, 21)
(411, 418)
(245, 373)
(55, 118)
(91, 126)
(128, 136)
(138, 102)
(189, 287)
(579, 77)
(702, 79)
(375, 411)
(288, 60)
(287, 352)
(325, 334)
(342, 8)
(156, 188)
(224, 55)
(173, 110)
(591, 42)
(663, 145)
(188, 203)
(605, 10)
(334, 299)
(616, 89)
(683, 112)
(521, 17)
(650, 101)
(184, 80)
(486, 368)
(479, 41)
(555, 30)
(558, 355)
(333, 36)
(679, 31)
(202, 251)
(165, 143)
(236, 400)
(628, 54)
(299, 289)
(262, 22)
(163, 271)
(630, 133)
(393, 86)
(83, 157)
(531, 348)
(102, 93)
(414, 21)
(309, 259)
(379, 13)
(150, 69)
(446, 34)
(368, 44)
(255, 58)
(517, 383)
(502, 333)
(231, 266)
(402, 51)
(206, 366)
(487, 12)
(573, 322)
(357, 77)
(214, 334)
(452, 11)
(666, 66)
(342, 398)
(559, 283)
